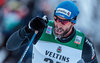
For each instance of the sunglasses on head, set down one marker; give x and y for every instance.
(63, 21)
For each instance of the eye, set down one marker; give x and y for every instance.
(64, 22)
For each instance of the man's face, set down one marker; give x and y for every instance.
(61, 26)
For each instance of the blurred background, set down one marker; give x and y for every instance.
(14, 14)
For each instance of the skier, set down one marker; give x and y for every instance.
(57, 41)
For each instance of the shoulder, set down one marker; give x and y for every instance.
(79, 32)
(88, 53)
(88, 43)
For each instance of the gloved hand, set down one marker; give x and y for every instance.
(38, 23)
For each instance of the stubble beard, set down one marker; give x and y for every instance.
(60, 29)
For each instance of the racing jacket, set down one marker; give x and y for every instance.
(47, 48)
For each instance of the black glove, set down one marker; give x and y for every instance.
(38, 23)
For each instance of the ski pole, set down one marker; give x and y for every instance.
(21, 59)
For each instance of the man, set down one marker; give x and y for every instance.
(57, 41)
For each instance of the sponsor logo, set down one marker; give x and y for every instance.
(56, 56)
(49, 30)
(63, 11)
(59, 49)
(78, 39)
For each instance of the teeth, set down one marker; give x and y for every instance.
(58, 30)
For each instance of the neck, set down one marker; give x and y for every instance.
(70, 31)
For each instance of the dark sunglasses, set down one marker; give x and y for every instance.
(63, 21)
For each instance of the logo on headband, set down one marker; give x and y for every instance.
(63, 11)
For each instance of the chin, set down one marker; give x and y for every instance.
(58, 34)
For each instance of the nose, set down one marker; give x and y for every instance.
(58, 24)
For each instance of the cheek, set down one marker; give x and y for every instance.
(67, 26)
(59, 25)
(69, 23)
(54, 23)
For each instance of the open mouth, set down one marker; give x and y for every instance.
(58, 30)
